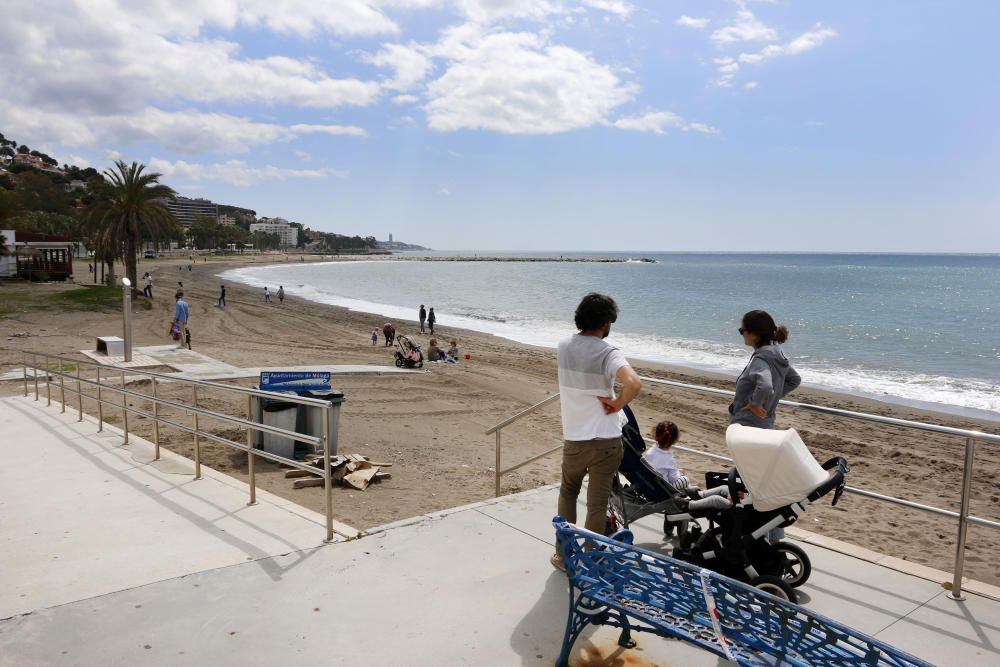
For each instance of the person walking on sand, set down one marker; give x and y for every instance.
(222, 296)
(147, 285)
(281, 293)
(431, 319)
(423, 317)
(267, 295)
(766, 379)
(389, 333)
(591, 412)
(181, 317)
(374, 336)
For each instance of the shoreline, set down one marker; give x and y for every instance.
(393, 312)
(432, 425)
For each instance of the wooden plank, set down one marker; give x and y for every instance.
(303, 483)
(380, 464)
(300, 473)
(360, 479)
(379, 476)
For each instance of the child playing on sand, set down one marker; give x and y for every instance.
(187, 337)
(453, 353)
(374, 335)
(662, 460)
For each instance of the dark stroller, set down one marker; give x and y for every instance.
(408, 355)
(735, 542)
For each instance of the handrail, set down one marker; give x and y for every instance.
(971, 437)
(249, 423)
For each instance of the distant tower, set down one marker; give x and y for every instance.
(390, 238)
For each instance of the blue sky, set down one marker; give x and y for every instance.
(537, 124)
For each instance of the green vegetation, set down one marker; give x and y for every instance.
(21, 298)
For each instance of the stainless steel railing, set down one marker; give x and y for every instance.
(56, 366)
(963, 515)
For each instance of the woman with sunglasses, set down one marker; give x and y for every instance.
(768, 376)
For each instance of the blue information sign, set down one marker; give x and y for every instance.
(294, 380)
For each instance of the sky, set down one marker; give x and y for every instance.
(781, 125)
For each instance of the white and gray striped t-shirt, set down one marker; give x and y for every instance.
(587, 369)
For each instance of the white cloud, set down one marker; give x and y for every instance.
(814, 123)
(456, 154)
(444, 191)
(729, 66)
(616, 7)
(405, 99)
(410, 64)
(745, 28)
(807, 41)
(234, 172)
(186, 131)
(518, 83)
(750, 85)
(690, 22)
(658, 122)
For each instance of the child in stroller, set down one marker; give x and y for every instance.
(779, 480)
(662, 460)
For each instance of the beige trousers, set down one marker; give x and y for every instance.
(599, 459)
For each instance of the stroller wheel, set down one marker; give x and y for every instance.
(776, 587)
(399, 362)
(797, 567)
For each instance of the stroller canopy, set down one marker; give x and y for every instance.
(775, 465)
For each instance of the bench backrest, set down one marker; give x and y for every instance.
(729, 618)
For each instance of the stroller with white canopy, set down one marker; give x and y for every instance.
(774, 481)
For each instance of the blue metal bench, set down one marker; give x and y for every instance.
(616, 584)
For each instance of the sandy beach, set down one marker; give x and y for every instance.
(431, 425)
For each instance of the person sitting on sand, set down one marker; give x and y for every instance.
(374, 335)
(389, 332)
(662, 460)
(453, 353)
(435, 353)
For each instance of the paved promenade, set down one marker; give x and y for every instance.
(125, 562)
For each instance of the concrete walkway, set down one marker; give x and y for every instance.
(160, 570)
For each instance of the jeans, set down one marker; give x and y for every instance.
(599, 459)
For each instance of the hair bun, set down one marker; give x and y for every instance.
(780, 333)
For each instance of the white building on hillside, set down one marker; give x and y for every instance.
(288, 235)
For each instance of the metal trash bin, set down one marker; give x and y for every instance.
(314, 416)
(280, 414)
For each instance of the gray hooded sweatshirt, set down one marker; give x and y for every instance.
(767, 378)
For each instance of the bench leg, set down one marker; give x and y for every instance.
(625, 639)
(574, 626)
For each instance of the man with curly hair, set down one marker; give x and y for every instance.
(591, 411)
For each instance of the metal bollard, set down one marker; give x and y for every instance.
(100, 403)
(963, 525)
(251, 459)
(79, 395)
(497, 473)
(197, 440)
(156, 422)
(327, 473)
(124, 410)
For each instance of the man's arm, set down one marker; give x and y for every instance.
(631, 384)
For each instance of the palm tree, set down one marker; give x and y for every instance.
(130, 206)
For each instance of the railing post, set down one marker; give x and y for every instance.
(79, 395)
(197, 439)
(62, 390)
(34, 370)
(48, 382)
(156, 422)
(327, 473)
(251, 459)
(100, 403)
(497, 470)
(963, 525)
(24, 367)
(124, 409)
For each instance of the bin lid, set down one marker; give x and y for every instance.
(276, 404)
(334, 396)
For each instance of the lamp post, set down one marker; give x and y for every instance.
(127, 313)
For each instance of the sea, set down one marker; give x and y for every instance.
(921, 330)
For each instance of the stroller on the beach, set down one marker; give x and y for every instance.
(780, 475)
(408, 355)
